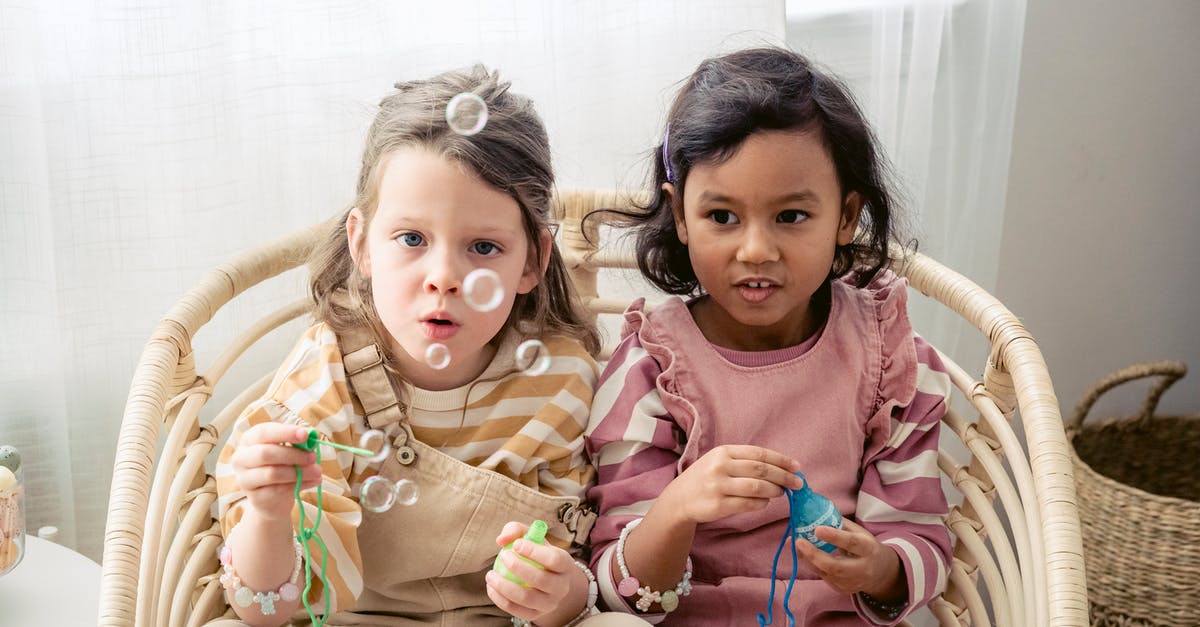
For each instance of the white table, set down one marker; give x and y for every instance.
(52, 585)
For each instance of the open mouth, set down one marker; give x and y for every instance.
(756, 291)
(439, 329)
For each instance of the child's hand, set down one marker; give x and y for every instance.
(862, 564)
(547, 588)
(730, 479)
(266, 471)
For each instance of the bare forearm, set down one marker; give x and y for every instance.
(264, 557)
(656, 550)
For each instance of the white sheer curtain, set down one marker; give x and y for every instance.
(144, 141)
(938, 78)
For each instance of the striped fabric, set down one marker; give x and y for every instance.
(637, 442)
(526, 427)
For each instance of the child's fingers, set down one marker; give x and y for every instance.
(498, 590)
(273, 433)
(752, 488)
(265, 476)
(552, 559)
(767, 457)
(852, 542)
(823, 563)
(532, 600)
(274, 454)
(511, 531)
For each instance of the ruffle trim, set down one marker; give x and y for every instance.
(883, 303)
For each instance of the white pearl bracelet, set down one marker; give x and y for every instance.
(629, 585)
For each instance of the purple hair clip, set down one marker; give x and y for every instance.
(666, 156)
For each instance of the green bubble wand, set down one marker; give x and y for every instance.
(307, 533)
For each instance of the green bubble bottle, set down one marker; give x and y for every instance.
(537, 535)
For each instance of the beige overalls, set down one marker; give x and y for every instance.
(424, 564)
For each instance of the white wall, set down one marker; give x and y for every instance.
(1103, 215)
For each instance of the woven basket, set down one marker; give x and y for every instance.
(1138, 484)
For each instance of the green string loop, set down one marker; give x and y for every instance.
(310, 533)
(305, 534)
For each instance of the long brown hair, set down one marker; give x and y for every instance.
(511, 153)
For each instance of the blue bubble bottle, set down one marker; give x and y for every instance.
(807, 510)
(810, 510)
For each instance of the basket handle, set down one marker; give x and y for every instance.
(1169, 371)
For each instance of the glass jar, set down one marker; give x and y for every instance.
(12, 519)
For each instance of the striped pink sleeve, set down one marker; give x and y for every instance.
(634, 444)
(901, 500)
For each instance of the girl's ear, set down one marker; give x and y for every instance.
(533, 274)
(676, 203)
(851, 210)
(356, 236)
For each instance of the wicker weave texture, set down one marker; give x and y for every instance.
(1139, 504)
(1018, 555)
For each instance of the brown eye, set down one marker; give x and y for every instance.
(791, 216)
(721, 216)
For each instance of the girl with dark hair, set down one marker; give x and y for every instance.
(793, 352)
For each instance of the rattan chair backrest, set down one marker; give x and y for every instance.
(1018, 557)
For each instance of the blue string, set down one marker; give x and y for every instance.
(763, 621)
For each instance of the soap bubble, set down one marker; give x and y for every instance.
(466, 114)
(482, 289)
(406, 492)
(378, 494)
(437, 356)
(533, 358)
(376, 442)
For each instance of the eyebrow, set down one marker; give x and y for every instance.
(415, 222)
(803, 196)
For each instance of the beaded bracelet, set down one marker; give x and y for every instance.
(629, 585)
(890, 611)
(588, 609)
(244, 596)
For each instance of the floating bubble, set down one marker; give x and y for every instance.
(406, 492)
(437, 356)
(377, 494)
(533, 358)
(482, 289)
(466, 114)
(376, 442)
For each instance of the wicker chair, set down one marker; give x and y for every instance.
(1018, 558)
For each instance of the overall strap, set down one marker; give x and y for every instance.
(368, 378)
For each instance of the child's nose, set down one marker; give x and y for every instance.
(757, 246)
(444, 274)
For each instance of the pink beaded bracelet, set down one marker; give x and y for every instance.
(244, 596)
(629, 585)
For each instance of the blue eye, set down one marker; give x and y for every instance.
(410, 239)
(791, 217)
(485, 248)
(721, 216)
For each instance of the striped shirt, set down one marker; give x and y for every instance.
(858, 405)
(526, 427)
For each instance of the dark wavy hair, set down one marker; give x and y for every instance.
(511, 153)
(731, 97)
